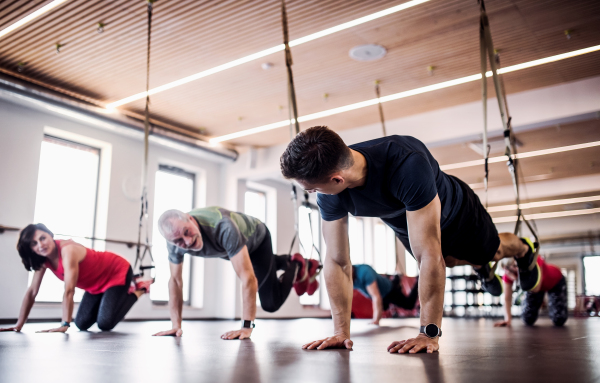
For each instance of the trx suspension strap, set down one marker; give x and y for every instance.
(294, 130)
(487, 46)
(377, 92)
(141, 254)
(292, 110)
(293, 107)
(485, 147)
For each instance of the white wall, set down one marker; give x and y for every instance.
(21, 133)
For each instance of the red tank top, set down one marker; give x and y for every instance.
(99, 270)
(551, 275)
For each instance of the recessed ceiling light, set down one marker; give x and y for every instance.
(266, 66)
(367, 52)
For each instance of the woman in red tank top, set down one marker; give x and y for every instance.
(552, 283)
(106, 278)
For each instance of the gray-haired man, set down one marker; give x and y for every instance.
(214, 232)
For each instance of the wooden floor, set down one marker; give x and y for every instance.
(470, 351)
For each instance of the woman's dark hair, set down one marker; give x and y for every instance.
(315, 154)
(30, 259)
(353, 273)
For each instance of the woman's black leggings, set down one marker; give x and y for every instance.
(107, 308)
(397, 297)
(557, 304)
(272, 290)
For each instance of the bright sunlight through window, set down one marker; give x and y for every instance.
(308, 238)
(384, 241)
(173, 189)
(356, 235)
(591, 265)
(66, 200)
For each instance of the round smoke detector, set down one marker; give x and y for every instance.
(367, 52)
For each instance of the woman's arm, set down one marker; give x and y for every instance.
(71, 256)
(28, 300)
(507, 306)
(373, 291)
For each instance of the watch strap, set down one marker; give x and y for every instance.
(65, 323)
(248, 324)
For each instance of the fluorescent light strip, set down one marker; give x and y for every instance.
(557, 214)
(266, 52)
(532, 205)
(408, 93)
(30, 17)
(534, 153)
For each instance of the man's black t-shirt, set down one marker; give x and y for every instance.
(401, 175)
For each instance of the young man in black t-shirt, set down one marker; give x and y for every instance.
(437, 217)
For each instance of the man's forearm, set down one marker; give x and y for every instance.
(175, 302)
(338, 279)
(431, 289)
(249, 290)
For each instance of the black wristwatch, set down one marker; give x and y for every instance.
(248, 324)
(431, 330)
(65, 323)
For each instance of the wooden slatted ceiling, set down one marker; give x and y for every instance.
(190, 36)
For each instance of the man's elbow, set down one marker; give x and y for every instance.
(69, 292)
(250, 283)
(175, 282)
(430, 257)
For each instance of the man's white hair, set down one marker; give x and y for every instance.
(166, 220)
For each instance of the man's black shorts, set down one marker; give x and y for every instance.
(471, 236)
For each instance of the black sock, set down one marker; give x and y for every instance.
(525, 261)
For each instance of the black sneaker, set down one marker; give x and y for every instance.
(530, 275)
(490, 281)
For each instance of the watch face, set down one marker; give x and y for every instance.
(431, 330)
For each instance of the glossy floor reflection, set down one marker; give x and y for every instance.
(471, 350)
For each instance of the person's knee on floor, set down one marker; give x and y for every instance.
(529, 319)
(106, 324)
(83, 325)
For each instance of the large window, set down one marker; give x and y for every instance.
(309, 235)
(412, 267)
(356, 235)
(591, 268)
(255, 204)
(174, 189)
(66, 200)
(384, 246)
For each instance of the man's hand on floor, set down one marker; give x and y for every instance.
(177, 332)
(421, 343)
(238, 334)
(336, 341)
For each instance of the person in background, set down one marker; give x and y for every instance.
(382, 291)
(552, 283)
(107, 279)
